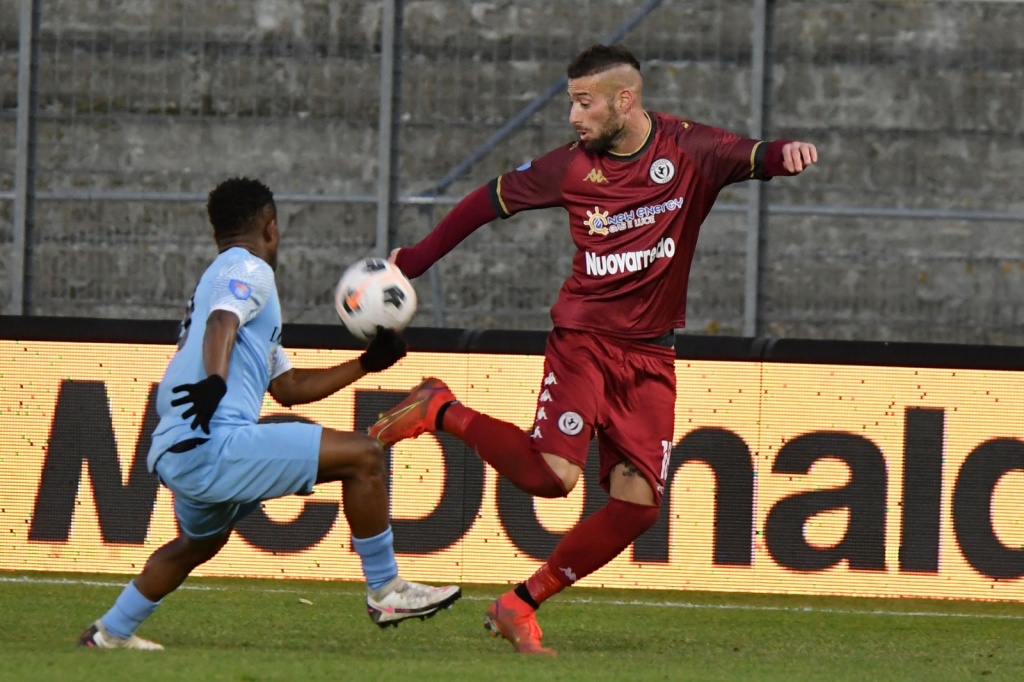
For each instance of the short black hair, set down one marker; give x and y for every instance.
(234, 204)
(598, 58)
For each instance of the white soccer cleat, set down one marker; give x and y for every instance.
(97, 637)
(401, 599)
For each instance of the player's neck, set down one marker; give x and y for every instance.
(636, 136)
(243, 243)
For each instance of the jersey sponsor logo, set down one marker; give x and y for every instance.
(595, 175)
(240, 289)
(662, 171)
(570, 423)
(597, 221)
(569, 573)
(630, 261)
(604, 224)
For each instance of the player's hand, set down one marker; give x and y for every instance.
(796, 156)
(204, 396)
(386, 348)
(393, 256)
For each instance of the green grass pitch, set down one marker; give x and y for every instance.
(249, 630)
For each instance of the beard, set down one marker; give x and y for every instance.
(606, 138)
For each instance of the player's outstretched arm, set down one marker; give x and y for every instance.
(474, 211)
(300, 386)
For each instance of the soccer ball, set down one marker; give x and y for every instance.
(374, 293)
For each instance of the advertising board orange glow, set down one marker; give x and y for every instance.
(785, 478)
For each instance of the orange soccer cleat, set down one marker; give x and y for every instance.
(414, 415)
(513, 619)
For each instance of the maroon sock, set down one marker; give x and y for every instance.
(542, 585)
(506, 448)
(591, 544)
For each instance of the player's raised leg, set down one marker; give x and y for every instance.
(431, 406)
(416, 414)
(357, 461)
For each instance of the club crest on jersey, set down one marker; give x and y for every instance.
(570, 423)
(240, 289)
(597, 221)
(662, 170)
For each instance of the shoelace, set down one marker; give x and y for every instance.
(415, 592)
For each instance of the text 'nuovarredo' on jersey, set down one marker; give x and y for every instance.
(630, 261)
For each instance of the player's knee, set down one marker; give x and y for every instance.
(371, 457)
(633, 518)
(646, 518)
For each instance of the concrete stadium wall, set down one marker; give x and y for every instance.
(912, 104)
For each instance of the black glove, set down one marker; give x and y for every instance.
(205, 396)
(386, 348)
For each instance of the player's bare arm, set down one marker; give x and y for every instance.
(300, 386)
(218, 341)
(203, 397)
(797, 156)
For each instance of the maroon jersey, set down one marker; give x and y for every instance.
(634, 220)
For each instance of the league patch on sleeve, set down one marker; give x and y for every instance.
(240, 289)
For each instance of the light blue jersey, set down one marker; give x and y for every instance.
(243, 284)
(218, 478)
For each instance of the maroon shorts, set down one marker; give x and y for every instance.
(624, 391)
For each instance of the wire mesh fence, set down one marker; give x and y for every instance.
(907, 230)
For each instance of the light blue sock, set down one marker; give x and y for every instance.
(378, 557)
(128, 612)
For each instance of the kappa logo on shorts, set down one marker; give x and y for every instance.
(570, 423)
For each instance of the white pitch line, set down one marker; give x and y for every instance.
(566, 600)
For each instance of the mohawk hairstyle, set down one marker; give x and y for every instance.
(235, 203)
(598, 58)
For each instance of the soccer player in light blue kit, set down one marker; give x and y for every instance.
(220, 463)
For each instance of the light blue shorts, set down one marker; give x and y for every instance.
(219, 482)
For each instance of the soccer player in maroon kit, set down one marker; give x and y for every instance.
(637, 186)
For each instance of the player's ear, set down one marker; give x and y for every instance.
(625, 99)
(271, 232)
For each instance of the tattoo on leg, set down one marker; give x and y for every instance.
(629, 470)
